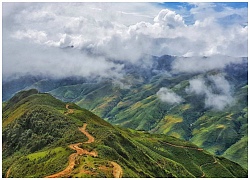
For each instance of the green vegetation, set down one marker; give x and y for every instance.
(139, 108)
(41, 163)
(35, 144)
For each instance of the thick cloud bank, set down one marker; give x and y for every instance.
(67, 39)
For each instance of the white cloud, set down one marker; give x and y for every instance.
(197, 86)
(221, 84)
(218, 93)
(203, 64)
(218, 101)
(123, 31)
(169, 18)
(33, 59)
(39, 37)
(168, 96)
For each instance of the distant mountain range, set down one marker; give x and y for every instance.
(206, 105)
(45, 137)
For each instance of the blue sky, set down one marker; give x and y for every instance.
(184, 8)
(175, 5)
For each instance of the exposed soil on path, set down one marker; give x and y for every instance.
(69, 111)
(83, 130)
(8, 173)
(79, 151)
(117, 170)
(72, 158)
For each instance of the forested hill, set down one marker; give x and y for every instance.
(45, 137)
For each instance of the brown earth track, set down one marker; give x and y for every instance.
(83, 130)
(69, 111)
(8, 173)
(72, 158)
(117, 170)
(79, 151)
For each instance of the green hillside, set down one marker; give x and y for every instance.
(40, 131)
(139, 108)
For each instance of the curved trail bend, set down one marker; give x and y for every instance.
(69, 111)
(203, 173)
(72, 158)
(117, 170)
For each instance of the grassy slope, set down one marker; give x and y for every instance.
(140, 109)
(36, 144)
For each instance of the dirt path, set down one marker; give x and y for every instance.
(72, 158)
(69, 111)
(214, 162)
(8, 173)
(79, 151)
(184, 147)
(117, 170)
(83, 130)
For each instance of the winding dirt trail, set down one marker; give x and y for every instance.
(83, 130)
(117, 170)
(79, 152)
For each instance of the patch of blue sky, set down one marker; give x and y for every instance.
(183, 8)
(177, 5)
(219, 6)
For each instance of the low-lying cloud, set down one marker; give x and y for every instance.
(31, 59)
(168, 96)
(218, 93)
(203, 64)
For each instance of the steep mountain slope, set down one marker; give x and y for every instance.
(134, 103)
(43, 136)
(139, 108)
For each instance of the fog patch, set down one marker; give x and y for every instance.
(168, 96)
(216, 89)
